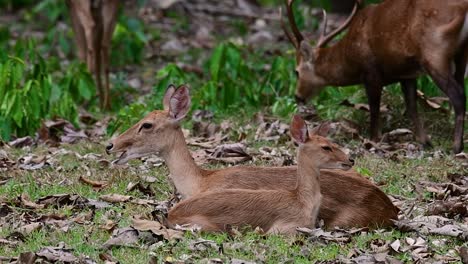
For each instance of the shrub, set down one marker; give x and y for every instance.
(29, 92)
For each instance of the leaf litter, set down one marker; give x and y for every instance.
(443, 214)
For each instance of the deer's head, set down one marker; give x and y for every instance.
(316, 148)
(309, 83)
(155, 133)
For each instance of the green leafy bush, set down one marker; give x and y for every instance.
(234, 82)
(128, 41)
(129, 115)
(29, 92)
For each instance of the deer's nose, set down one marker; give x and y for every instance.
(299, 100)
(109, 147)
(352, 161)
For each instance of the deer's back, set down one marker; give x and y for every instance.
(392, 38)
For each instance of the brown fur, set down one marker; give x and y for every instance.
(364, 204)
(394, 41)
(275, 211)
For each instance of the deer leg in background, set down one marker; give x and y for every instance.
(409, 91)
(456, 93)
(109, 19)
(374, 94)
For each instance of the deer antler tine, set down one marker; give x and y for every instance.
(286, 31)
(292, 22)
(329, 37)
(324, 26)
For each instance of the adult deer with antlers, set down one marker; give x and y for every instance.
(349, 200)
(394, 41)
(275, 211)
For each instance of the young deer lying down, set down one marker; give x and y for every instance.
(349, 200)
(275, 211)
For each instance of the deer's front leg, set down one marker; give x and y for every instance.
(374, 93)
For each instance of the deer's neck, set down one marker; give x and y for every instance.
(336, 67)
(308, 182)
(184, 172)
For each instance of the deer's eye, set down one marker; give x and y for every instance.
(296, 73)
(327, 148)
(147, 125)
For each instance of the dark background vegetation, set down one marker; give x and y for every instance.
(228, 70)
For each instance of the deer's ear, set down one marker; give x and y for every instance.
(167, 96)
(299, 130)
(179, 104)
(321, 130)
(306, 51)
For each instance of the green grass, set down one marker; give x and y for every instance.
(242, 69)
(397, 176)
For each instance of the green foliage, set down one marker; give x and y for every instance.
(329, 103)
(50, 9)
(234, 82)
(29, 92)
(128, 41)
(129, 115)
(14, 4)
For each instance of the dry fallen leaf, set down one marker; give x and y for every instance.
(448, 208)
(338, 235)
(29, 228)
(463, 252)
(115, 198)
(156, 228)
(33, 162)
(27, 203)
(230, 153)
(22, 142)
(72, 136)
(27, 258)
(122, 237)
(57, 254)
(109, 225)
(97, 185)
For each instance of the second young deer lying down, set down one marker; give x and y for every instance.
(348, 199)
(275, 211)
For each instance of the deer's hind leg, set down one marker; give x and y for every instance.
(441, 73)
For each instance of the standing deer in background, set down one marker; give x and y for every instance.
(348, 199)
(93, 22)
(394, 41)
(275, 211)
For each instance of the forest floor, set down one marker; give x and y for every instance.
(67, 202)
(61, 199)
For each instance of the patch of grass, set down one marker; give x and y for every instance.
(398, 177)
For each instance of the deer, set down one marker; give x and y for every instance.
(93, 22)
(364, 204)
(394, 41)
(279, 211)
